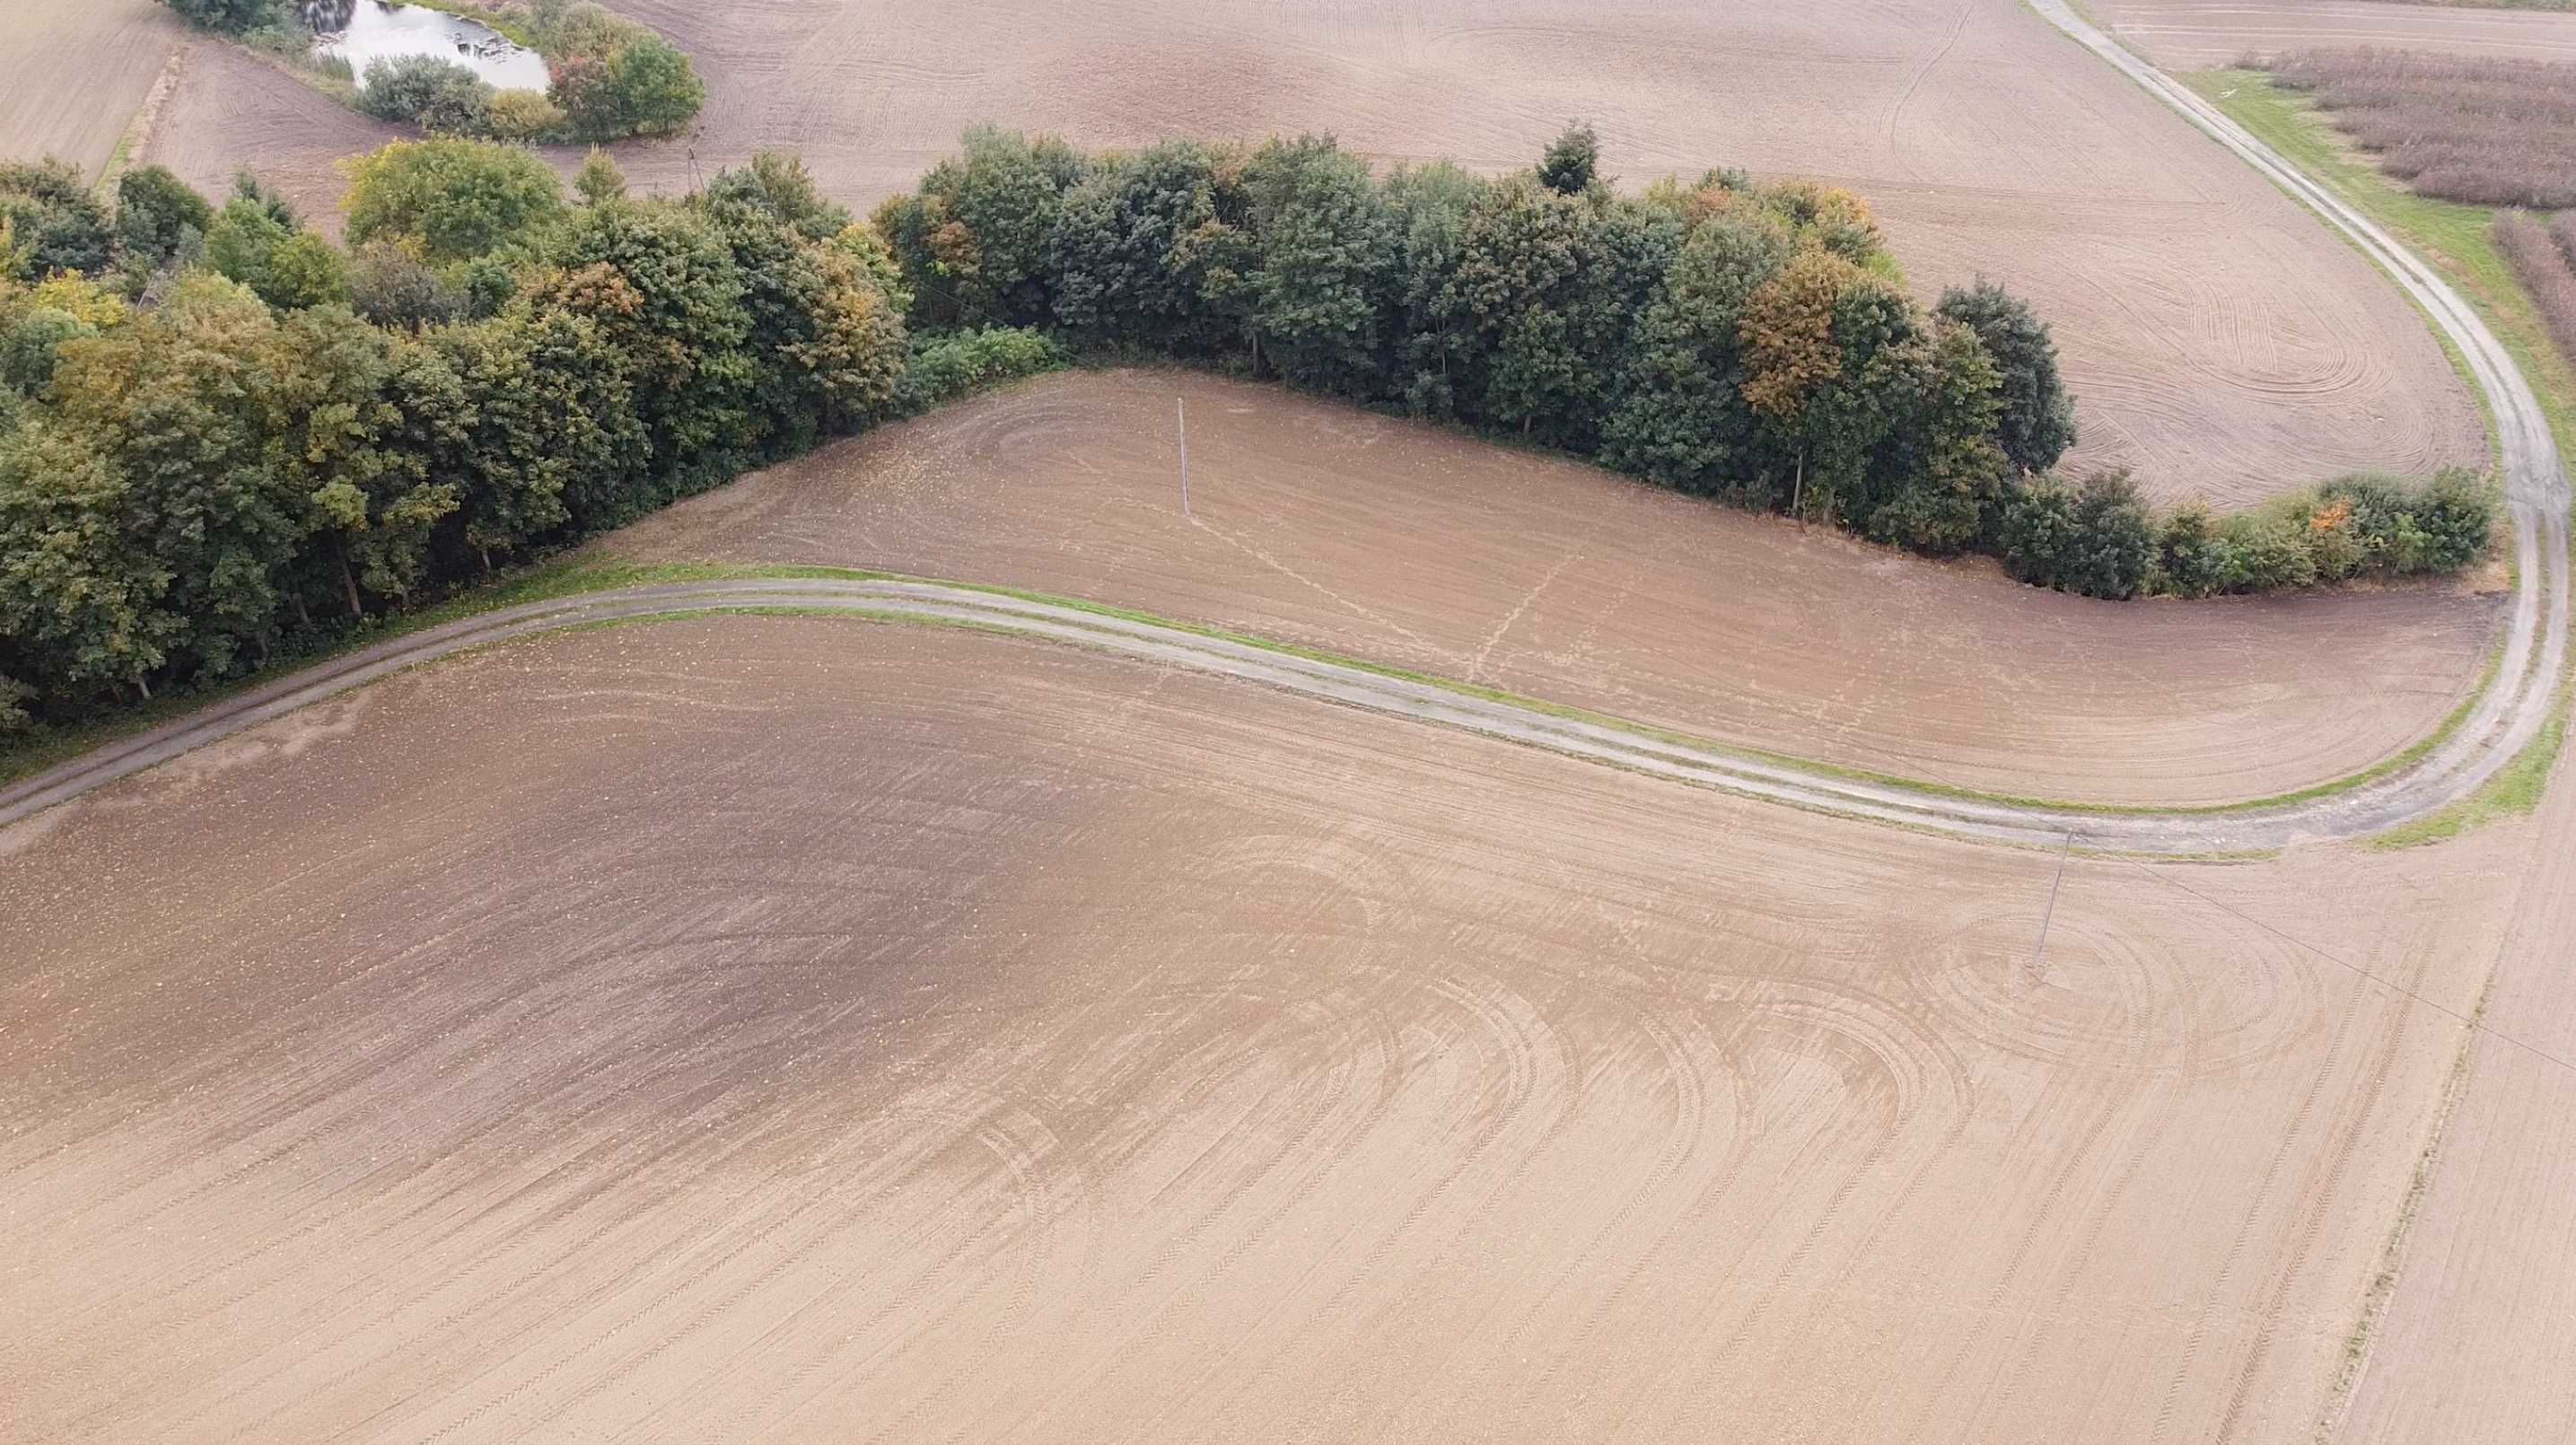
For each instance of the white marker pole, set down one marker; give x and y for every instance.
(1184, 410)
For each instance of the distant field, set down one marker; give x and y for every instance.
(2221, 341)
(2194, 34)
(73, 72)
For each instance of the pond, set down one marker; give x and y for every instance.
(360, 31)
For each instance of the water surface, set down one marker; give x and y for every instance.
(361, 31)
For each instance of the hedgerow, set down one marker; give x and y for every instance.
(223, 439)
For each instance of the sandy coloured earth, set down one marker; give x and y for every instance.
(2220, 342)
(73, 73)
(847, 1031)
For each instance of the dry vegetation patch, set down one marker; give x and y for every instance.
(2498, 132)
(2539, 251)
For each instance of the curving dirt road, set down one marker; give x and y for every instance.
(2448, 772)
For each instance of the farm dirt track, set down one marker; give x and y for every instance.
(2221, 343)
(1315, 523)
(857, 1032)
(2193, 34)
(73, 72)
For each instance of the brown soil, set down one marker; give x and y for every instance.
(1403, 544)
(2474, 1346)
(233, 111)
(808, 1029)
(2191, 34)
(73, 72)
(2221, 340)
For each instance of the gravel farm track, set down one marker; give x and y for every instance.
(769, 1024)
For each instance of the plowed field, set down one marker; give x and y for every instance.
(1403, 544)
(2223, 344)
(820, 1030)
(73, 72)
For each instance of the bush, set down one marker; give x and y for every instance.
(55, 224)
(525, 115)
(393, 288)
(2096, 539)
(455, 199)
(155, 212)
(953, 362)
(612, 77)
(233, 17)
(440, 96)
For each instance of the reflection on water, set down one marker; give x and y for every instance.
(360, 31)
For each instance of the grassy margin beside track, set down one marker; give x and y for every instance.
(568, 578)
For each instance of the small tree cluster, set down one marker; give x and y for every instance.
(445, 98)
(284, 439)
(610, 77)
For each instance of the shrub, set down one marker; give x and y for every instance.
(526, 115)
(2191, 558)
(2539, 257)
(155, 211)
(612, 77)
(455, 199)
(55, 224)
(233, 17)
(2037, 531)
(393, 288)
(440, 96)
(2268, 552)
(948, 363)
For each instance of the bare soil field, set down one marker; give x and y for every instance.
(1400, 543)
(811, 1029)
(233, 111)
(73, 72)
(2221, 341)
(2483, 1321)
(2195, 34)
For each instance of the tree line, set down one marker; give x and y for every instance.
(226, 439)
(1753, 343)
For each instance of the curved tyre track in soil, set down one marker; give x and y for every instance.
(2507, 714)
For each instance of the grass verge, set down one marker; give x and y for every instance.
(2514, 791)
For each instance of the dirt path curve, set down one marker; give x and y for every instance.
(2446, 773)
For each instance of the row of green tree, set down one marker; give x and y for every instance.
(224, 439)
(606, 76)
(1748, 342)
